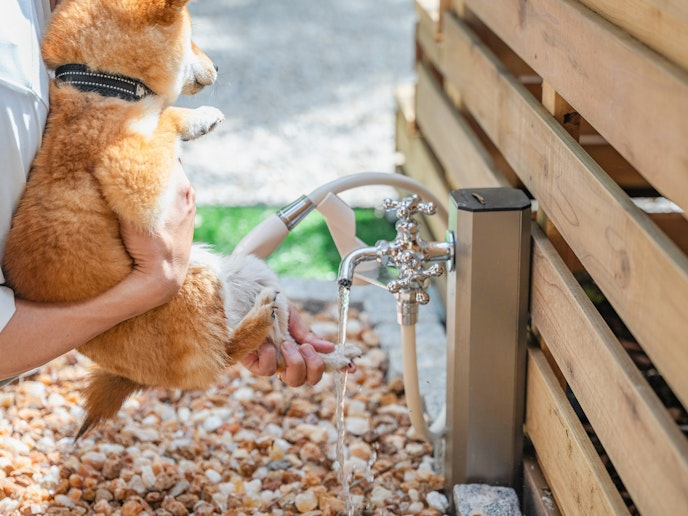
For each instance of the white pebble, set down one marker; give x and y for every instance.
(313, 433)
(357, 408)
(379, 495)
(274, 430)
(34, 391)
(268, 496)
(245, 435)
(226, 488)
(8, 505)
(220, 501)
(354, 327)
(437, 500)
(187, 466)
(199, 416)
(51, 478)
(414, 449)
(46, 444)
(357, 425)
(136, 484)
(244, 394)
(63, 500)
(253, 487)
(166, 412)
(150, 420)
(415, 507)
(183, 413)
(95, 459)
(15, 446)
(355, 464)
(305, 502)
(147, 435)
(108, 448)
(56, 400)
(212, 423)
(148, 477)
(213, 476)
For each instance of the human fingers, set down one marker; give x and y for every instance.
(315, 367)
(303, 334)
(263, 361)
(295, 372)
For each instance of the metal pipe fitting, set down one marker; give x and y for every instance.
(296, 211)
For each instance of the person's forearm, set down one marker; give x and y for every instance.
(40, 332)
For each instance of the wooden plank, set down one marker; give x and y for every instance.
(635, 100)
(434, 57)
(641, 271)
(428, 35)
(466, 162)
(621, 406)
(661, 25)
(579, 481)
(569, 120)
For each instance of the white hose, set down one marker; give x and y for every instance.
(414, 401)
(263, 239)
(378, 178)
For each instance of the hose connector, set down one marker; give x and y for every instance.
(296, 211)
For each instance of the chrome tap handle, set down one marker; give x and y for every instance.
(420, 278)
(407, 207)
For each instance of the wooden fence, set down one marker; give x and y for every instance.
(584, 104)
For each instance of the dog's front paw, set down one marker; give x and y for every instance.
(201, 121)
(266, 307)
(341, 357)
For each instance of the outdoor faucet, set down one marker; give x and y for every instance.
(408, 253)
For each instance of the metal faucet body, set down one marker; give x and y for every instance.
(409, 253)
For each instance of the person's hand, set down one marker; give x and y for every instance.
(303, 365)
(161, 258)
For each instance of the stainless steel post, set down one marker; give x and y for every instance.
(487, 298)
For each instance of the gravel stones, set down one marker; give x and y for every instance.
(268, 450)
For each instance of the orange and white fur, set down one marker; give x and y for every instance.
(105, 159)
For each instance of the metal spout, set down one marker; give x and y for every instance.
(345, 277)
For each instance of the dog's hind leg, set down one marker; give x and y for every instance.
(104, 395)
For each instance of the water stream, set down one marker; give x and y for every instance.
(340, 386)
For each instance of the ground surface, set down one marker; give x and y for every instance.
(307, 90)
(249, 445)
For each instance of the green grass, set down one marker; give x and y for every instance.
(307, 252)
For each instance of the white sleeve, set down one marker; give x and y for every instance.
(6, 303)
(6, 312)
(23, 109)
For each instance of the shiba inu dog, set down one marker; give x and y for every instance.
(108, 151)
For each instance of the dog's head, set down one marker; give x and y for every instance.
(149, 40)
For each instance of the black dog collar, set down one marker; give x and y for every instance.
(106, 84)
